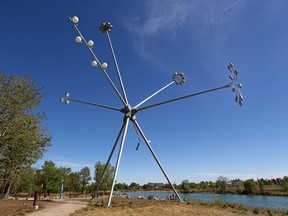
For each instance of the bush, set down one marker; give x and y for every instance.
(256, 211)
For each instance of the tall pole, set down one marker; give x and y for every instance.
(126, 121)
(62, 189)
(117, 68)
(155, 157)
(108, 161)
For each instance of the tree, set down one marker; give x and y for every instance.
(23, 137)
(185, 185)
(250, 186)
(65, 172)
(134, 186)
(85, 177)
(27, 182)
(261, 185)
(106, 182)
(73, 182)
(222, 183)
(121, 186)
(51, 177)
(285, 183)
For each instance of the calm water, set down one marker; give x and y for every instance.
(247, 200)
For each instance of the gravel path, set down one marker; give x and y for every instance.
(60, 208)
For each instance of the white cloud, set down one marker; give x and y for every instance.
(164, 20)
(205, 26)
(76, 166)
(164, 16)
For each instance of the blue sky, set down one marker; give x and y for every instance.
(197, 139)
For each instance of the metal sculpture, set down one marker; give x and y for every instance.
(129, 111)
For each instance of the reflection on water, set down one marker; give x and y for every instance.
(275, 202)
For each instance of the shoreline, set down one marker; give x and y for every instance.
(203, 192)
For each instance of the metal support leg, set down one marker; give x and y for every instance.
(126, 122)
(155, 157)
(109, 158)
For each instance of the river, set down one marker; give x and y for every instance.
(275, 202)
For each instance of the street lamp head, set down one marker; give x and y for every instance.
(94, 63)
(104, 65)
(105, 27)
(90, 43)
(78, 39)
(75, 19)
(231, 67)
(179, 78)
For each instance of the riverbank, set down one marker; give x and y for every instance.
(132, 206)
(274, 202)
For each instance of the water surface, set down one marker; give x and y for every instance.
(276, 202)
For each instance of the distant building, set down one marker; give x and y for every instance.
(155, 186)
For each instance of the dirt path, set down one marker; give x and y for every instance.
(60, 208)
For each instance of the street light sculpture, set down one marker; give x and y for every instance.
(130, 111)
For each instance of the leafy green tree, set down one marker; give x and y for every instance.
(212, 185)
(250, 186)
(23, 137)
(185, 186)
(73, 182)
(65, 172)
(284, 183)
(261, 185)
(193, 185)
(51, 177)
(90, 188)
(134, 186)
(28, 182)
(84, 177)
(121, 186)
(222, 183)
(204, 185)
(240, 187)
(106, 182)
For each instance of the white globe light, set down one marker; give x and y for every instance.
(75, 19)
(90, 43)
(78, 39)
(104, 65)
(94, 63)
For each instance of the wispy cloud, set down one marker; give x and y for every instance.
(161, 18)
(165, 19)
(208, 25)
(167, 16)
(72, 165)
